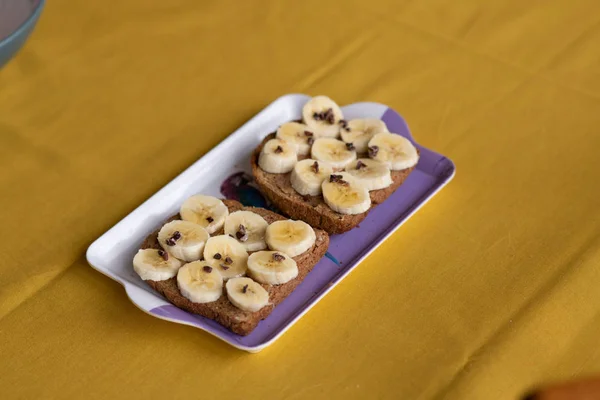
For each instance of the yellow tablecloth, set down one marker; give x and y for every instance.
(490, 289)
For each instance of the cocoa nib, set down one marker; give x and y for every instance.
(172, 241)
(278, 150)
(360, 165)
(278, 257)
(210, 219)
(206, 268)
(337, 179)
(241, 234)
(373, 150)
(315, 167)
(329, 117)
(343, 123)
(217, 256)
(308, 133)
(245, 289)
(310, 141)
(163, 254)
(350, 146)
(326, 115)
(228, 260)
(225, 267)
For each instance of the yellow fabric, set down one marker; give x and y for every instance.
(490, 289)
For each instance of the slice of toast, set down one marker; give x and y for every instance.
(312, 209)
(222, 311)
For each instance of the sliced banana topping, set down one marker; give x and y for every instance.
(248, 228)
(360, 131)
(291, 237)
(323, 115)
(372, 174)
(246, 294)
(206, 211)
(345, 195)
(299, 135)
(272, 267)
(199, 283)
(393, 150)
(155, 265)
(334, 152)
(308, 175)
(277, 156)
(226, 255)
(183, 239)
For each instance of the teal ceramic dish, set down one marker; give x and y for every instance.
(17, 20)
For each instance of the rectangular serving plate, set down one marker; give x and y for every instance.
(218, 173)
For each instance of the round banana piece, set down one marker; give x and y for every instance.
(206, 211)
(291, 237)
(360, 131)
(334, 152)
(183, 239)
(393, 150)
(246, 294)
(199, 282)
(226, 255)
(248, 228)
(298, 134)
(308, 175)
(372, 174)
(272, 267)
(277, 157)
(323, 116)
(344, 194)
(155, 265)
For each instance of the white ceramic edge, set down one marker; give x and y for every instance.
(133, 292)
(197, 164)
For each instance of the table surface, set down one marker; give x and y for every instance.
(490, 289)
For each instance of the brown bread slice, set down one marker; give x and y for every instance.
(222, 311)
(312, 209)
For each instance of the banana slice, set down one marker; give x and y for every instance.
(183, 239)
(360, 131)
(372, 174)
(226, 255)
(334, 152)
(206, 211)
(291, 237)
(246, 294)
(308, 175)
(323, 115)
(155, 265)
(248, 228)
(199, 282)
(393, 150)
(298, 134)
(277, 157)
(272, 267)
(344, 194)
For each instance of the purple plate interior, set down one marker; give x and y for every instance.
(346, 250)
